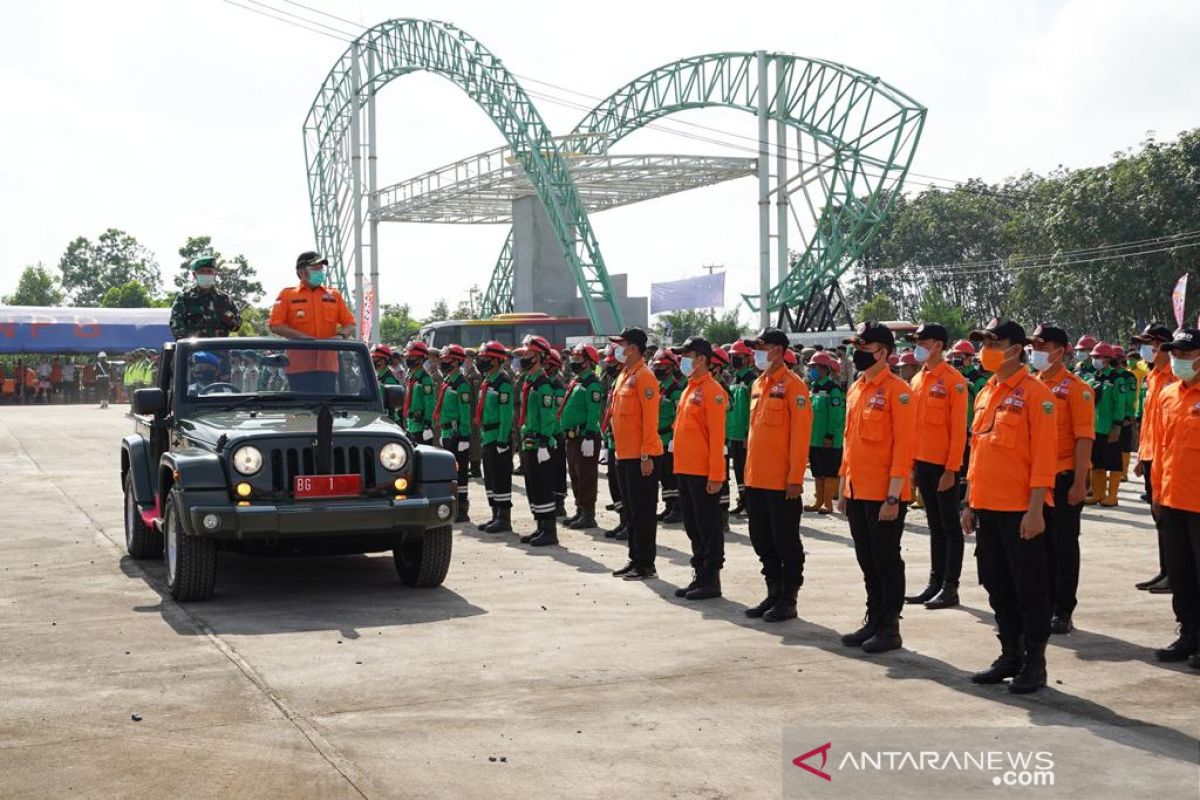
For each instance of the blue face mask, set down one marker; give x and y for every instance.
(515, 364)
(921, 354)
(1147, 353)
(619, 353)
(762, 360)
(685, 365)
(316, 277)
(814, 374)
(1184, 368)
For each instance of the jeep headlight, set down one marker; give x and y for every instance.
(247, 460)
(393, 456)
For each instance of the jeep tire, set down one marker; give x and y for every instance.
(424, 562)
(191, 560)
(141, 540)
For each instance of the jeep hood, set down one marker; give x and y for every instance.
(259, 423)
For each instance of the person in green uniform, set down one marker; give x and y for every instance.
(828, 401)
(419, 400)
(579, 419)
(381, 355)
(538, 422)
(1111, 403)
(718, 366)
(1128, 390)
(558, 456)
(494, 419)
(452, 419)
(737, 423)
(1083, 366)
(202, 309)
(962, 358)
(608, 456)
(665, 366)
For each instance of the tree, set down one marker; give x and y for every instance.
(236, 275)
(879, 308)
(935, 308)
(439, 312)
(724, 329)
(36, 287)
(129, 295)
(254, 322)
(396, 325)
(685, 323)
(89, 269)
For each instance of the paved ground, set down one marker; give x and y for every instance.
(529, 674)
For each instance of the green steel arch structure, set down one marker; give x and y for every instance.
(334, 146)
(861, 136)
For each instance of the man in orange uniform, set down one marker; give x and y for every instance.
(1150, 343)
(776, 457)
(310, 311)
(634, 406)
(876, 464)
(699, 448)
(1013, 462)
(940, 399)
(1075, 421)
(1176, 462)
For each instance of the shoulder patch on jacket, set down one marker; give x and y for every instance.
(958, 387)
(649, 393)
(800, 401)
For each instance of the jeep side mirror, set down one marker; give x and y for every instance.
(149, 401)
(393, 397)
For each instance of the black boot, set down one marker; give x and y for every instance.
(773, 590)
(1180, 649)
(560, 507)
(869, 626)
(673, 514)
(486, 527)
(946, 598)
(1061, 624)
(476, 471)
(611, 533)
(739, 509)
(725, 520)
(1160, 587)
(692, 584)
(464, 505)
(1006, 666)
(785, 605)
(547, 533)
(584, 520)
(708, 587)
(1033, 671)
(503, 523)
(931, 589)
(1147, 584)
(886, 638)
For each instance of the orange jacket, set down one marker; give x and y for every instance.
(880, 428)
(940, 394)
(319, 312)
(1075, 412)
(700, 428)
(780, 429)
(1014, 445)
(1176, 459)
(634, 415)
(1156, 381)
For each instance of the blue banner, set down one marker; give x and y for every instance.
(706, 291)
(30, 329)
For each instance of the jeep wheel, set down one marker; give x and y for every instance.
(426, 561)
(191, 560)
(141, 540)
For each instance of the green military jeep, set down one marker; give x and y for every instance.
(266, 446)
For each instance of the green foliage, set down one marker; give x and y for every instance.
(879, 308)
(236, 276)
(254, 322)
(723, 329)
(36, 287)
(685, 323)
(439, 312)
(936, 308)
(396, 325)
(89, 269)
(128, 295)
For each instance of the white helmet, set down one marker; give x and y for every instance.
(102, 354)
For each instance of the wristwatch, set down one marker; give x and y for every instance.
(892, 500)
(645, 457)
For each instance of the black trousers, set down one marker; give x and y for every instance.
(640, 496)
(877, 549)
(1158, 525)
(774, 523)
(613, 475)
(737, 454)
(945, 527)
(539, 484)
(1106, 455)
(1014, 572)
(1062, 546)
(670, 487)
(462, 461)
(558, 457)
(1182, 529)
(497, 475)
(702, 522)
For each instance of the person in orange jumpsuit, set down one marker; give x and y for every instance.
(1150, 343)
(311, 311)
(877, 461)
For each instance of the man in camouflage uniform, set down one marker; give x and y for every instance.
(452, 418)
(202, 309)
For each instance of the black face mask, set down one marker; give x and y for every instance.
(577, 367)
(612, 369)
(483, 365)
(447, 366)
(413, 363)
(661, 373)
(956, 363)
(739, 362)
(863, 360)
(526, 364)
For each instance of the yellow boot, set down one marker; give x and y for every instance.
(1114, 483)
(917, 501)
(819, 488)
(1097, 488)
(1125, 466)
(831, 490)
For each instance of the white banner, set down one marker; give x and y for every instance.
(705, 291)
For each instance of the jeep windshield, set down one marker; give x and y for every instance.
(228, 372)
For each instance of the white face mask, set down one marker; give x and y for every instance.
(921, 354)
(1040, 360)
(619, 353)
(686, 364)
(1147, 353)
(761, 359)
(1098, 363)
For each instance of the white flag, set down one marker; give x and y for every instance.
(705, 291)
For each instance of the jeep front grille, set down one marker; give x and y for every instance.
(288, 462)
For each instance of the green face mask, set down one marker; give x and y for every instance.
(316, 277)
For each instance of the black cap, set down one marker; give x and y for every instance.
(1001, 329)
(929, 330)
(631, 336)
(872, 331)
(1184, 339)
(310, 258)
(1050, 333)
(768, 336)
(1154, 333)
(694, 344)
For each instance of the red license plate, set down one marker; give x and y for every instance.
(307, 486)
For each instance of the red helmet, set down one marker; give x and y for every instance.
(739, 348)
(610, 356)
(554, 358)
(789, 357)
(1102, 350)
(1118, 351)
(535, 344)
(720, 356)
(963, 347)
(893, 360)
(907, 359)
(1085, 342)
(665, 356)
(416, 348)
(823, 359)
(382, 351)
(587, 352)
(493, 349)
(454, 352)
